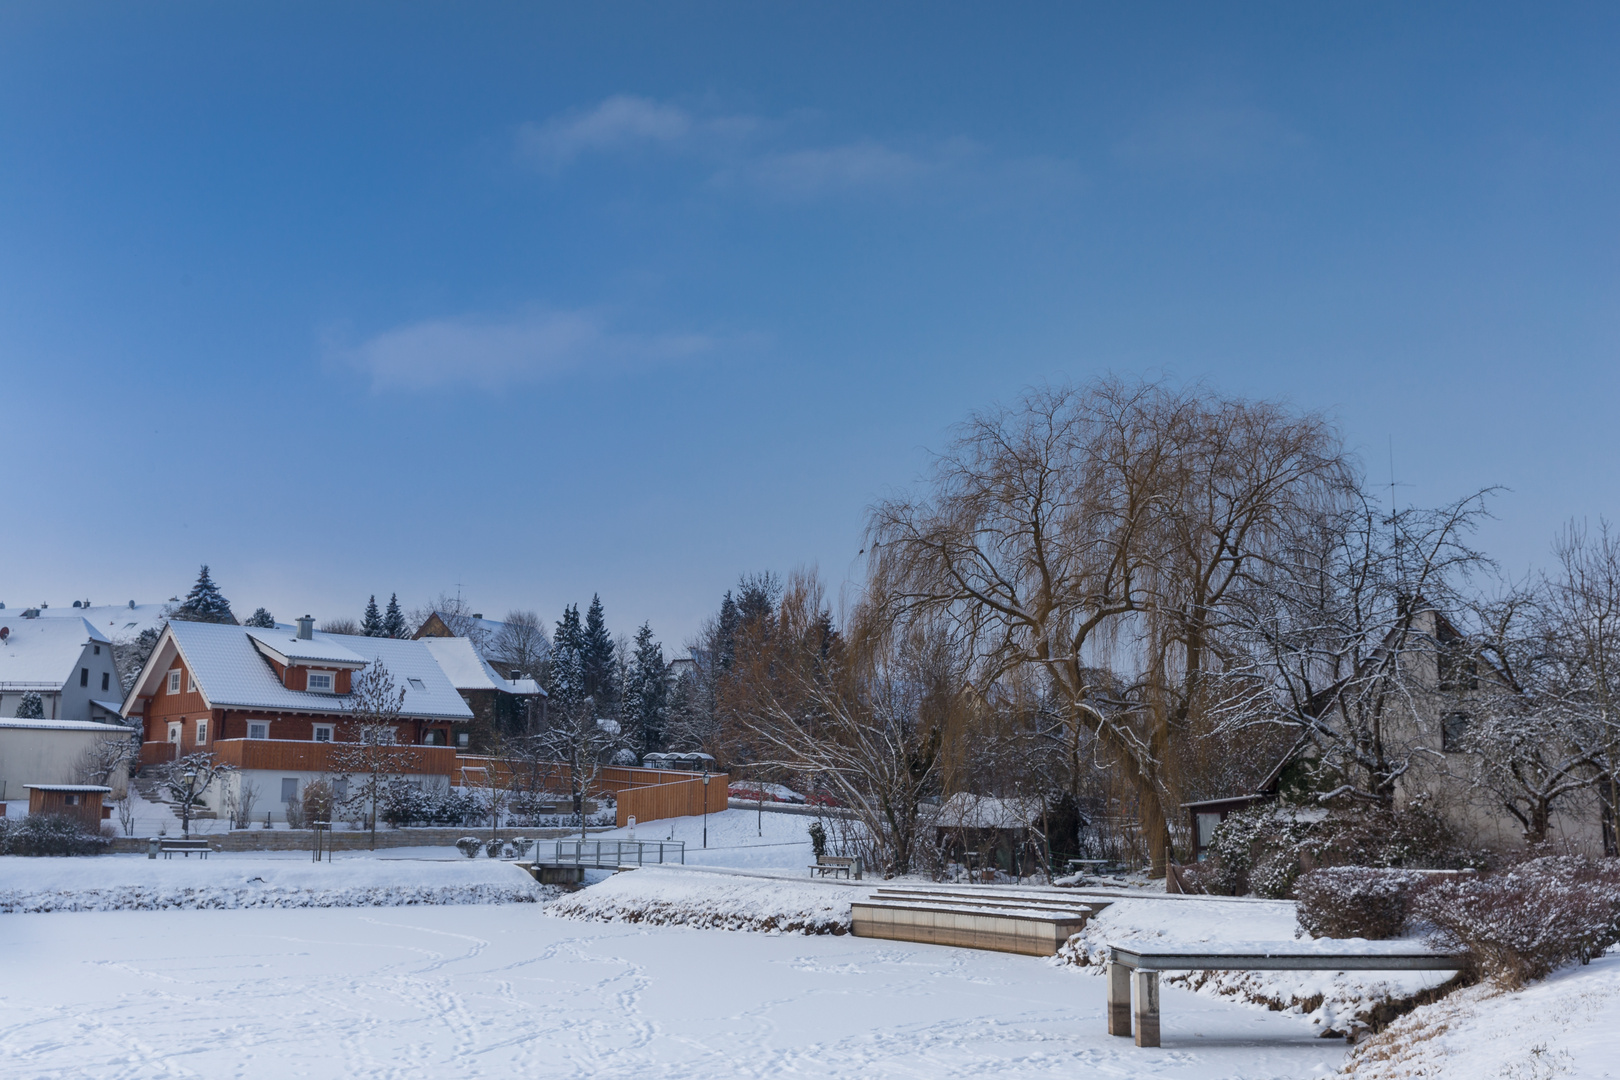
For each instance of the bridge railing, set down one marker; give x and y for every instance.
(613, 853)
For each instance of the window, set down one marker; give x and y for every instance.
(461, 738)
(191, 684)
(340, 790)
(104, 677)
(289, 788)
(174, 681)
(84, 676)
(72, 800)
(320, 682)
(98, 650)
(323, 733)
(258, 730)
(417, 684)
(1454, 732)
(202, 732)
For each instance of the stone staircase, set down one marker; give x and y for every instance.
(152, 790)
(1031, 922)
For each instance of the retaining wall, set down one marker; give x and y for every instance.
(345, 839)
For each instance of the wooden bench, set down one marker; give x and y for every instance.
(835, 864)
(1134, 972)
(185, 847)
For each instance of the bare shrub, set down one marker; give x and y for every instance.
(318, 801)
(1356, 901)
(1522, 923)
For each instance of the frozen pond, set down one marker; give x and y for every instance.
(504, 991)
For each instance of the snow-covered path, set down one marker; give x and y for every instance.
(506, 991)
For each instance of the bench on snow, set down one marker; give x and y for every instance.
(1132, 969)
(835, 864)
(185, 847)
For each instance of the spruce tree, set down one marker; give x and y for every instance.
(31, 707)
(371, 624)
(565, 676)
(646, 692)
(261, 619)
(205, 603)
(727, 631)
(599, 659)
(393, 618)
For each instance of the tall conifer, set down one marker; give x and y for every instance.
(394, 619)
(371, 625)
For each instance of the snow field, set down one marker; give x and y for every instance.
(475, 992)
(1566, 1025)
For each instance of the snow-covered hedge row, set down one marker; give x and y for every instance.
(160, 898)
(713, 901)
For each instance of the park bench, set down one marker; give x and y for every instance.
(1134, 972)
(185, 847)
(835, 865)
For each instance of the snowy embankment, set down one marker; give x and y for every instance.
(135, 883)
(1565, 1025)
(716, 901)
(1335, 1002)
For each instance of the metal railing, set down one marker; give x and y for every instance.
(608, 854)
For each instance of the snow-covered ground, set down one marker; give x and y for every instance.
(504, 991)
(705, 898)
(744, 839)
(261, 879)
(1566, 1025)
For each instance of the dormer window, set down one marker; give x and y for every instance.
(320, 682)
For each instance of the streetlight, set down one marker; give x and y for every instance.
(705, 804)
(185, 808)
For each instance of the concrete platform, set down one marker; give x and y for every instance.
(1029, 925)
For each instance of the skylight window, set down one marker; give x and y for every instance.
(417, 684)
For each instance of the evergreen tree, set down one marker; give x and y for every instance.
(394, 619)
(31, 707)
(599, 660)
(647, 692)
(726, 632)
(205, 603)
(261, 619)
(565, 677)
(371, 624)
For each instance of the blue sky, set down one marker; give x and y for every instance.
(546, 300)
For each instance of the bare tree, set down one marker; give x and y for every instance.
(126, 810)
(576, 737)
(107, 760)
(239, 804)
(344, 625)
(863, 718)
(188, 780)
(519, 648)
(458, 616)
(1097, 530)
(373, 753)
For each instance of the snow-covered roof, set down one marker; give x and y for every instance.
(40, 654)
(118, 621)
(75, 788)
(65, 725)
(290, 648)
(231, 673)
(110, 706)
(469, 671)
(965, 811)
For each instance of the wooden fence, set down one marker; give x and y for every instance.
(685, 796)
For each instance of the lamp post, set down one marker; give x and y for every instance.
(705, 804)
(185, 809)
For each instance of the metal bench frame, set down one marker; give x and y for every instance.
(1133, 976)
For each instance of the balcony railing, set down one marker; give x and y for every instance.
(291, 755)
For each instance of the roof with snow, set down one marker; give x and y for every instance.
(231, 673)
(65, 725)
(469, 671)
(965, 811)
(40, 654)
(289, 647)
(72, 788)
(118, 621)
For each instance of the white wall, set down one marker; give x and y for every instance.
(36, 756)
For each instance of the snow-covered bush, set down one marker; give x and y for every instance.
(402, 803)
(1356, 901)
(1264, 850)
(31, 707)
(469, 845)
(50, 834)
(1525, 921)
(818, 839)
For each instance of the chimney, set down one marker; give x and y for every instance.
(306, 628)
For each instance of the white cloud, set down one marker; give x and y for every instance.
(863, 164)
(491, 353)
(619, 122)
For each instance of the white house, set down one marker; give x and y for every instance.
(67, 662)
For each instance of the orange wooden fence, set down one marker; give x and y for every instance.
(684, 797)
